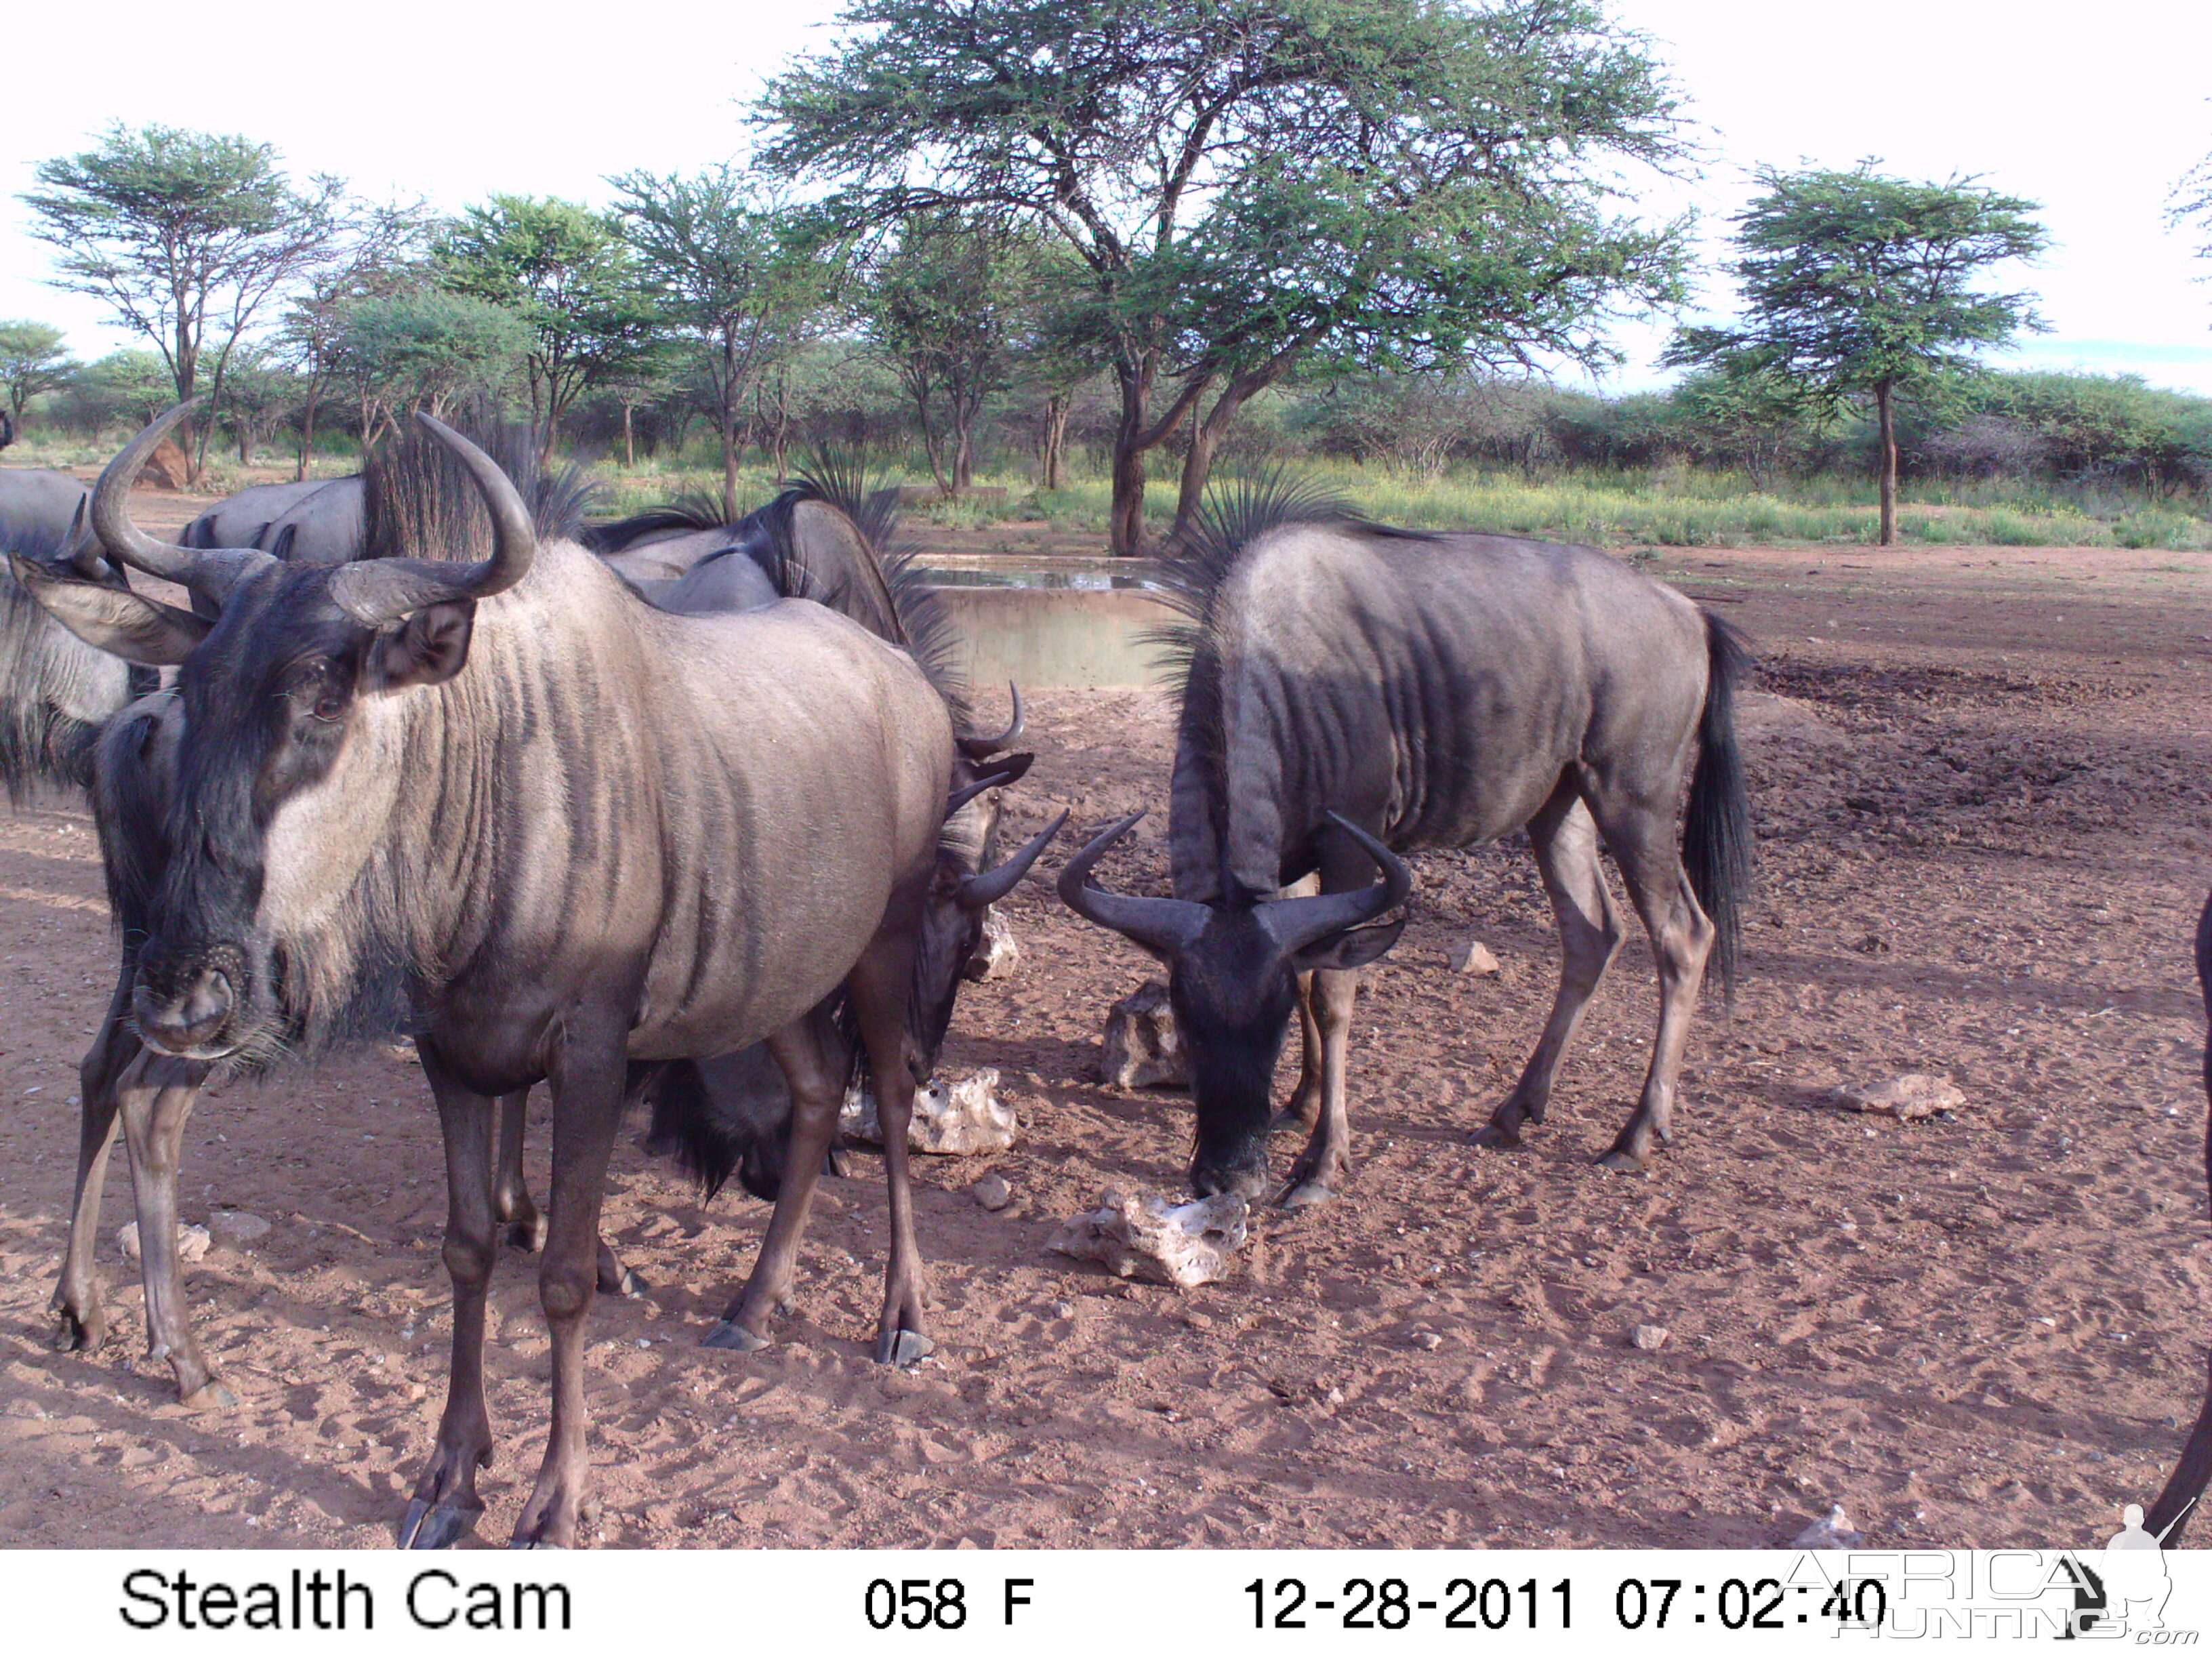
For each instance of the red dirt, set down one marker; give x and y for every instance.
(1980, 780)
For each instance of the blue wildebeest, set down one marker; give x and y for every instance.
(244, 519)
(2177, 1501)
(151, 1095)
(729, 1112)
(508, 804)
(1422, 691)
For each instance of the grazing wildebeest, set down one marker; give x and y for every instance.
(1434, 691)
(2169, 1515)
(559, 833)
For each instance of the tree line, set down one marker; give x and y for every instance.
(1159, 225)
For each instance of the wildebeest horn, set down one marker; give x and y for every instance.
(1164, 925)
(978, 749)
(375, 591)
(111, 506)
(1295, 923)
(967, 792)
(987, 887)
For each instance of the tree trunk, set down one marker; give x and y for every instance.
(725, 394)
(307, 431)
(965, 410)
(1055, 439)
(1886, 420)
(629, 442)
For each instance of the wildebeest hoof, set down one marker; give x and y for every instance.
(76, 1335)
(903, 1348)
(428, 1528)
(729, 1334)
(1498, 1138)
(211, 1396)
(1304, 1194)
(1623, 1163)
(616, 1279)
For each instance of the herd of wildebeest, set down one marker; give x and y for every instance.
(694, 813)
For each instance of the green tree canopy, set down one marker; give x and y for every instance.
(186, 235)
(737, 267)
(567, 273)
(1858, 286)
(425, 347)
(33, 358)
(1250, 180)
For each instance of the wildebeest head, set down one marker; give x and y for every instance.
(280, 780)
(55, 690)
(1232, 971)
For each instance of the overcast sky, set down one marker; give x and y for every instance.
(2094, 112)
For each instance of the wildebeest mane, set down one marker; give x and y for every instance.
(692, 510)
(1193, 567)
(420, 502)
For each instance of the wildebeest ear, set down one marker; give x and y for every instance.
(1355, 947)
(1009, 768)
(427, 649)
(113, 619)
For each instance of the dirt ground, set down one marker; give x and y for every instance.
(1980, 782)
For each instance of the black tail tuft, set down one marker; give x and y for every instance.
(1716, 827)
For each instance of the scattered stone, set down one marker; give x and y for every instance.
(192, 1242)
(1473, 957)
(996, 955)
(237, 1230)
(1914, 1096)
(1835, 1533)
(1650, 1338)
(1428, 1340)
(1150, 1237)
(992, 1192)
(951, 1119)
(1142, 1048)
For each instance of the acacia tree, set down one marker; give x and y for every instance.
(186, 236)
(32, 359)
(1249, 180)
(1855, 286)
(748, 281)
(566, 272)
(377, 254)
(423, 347)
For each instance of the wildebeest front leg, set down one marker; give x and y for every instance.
(1563, 837)
(445, 1506)
(1304, 1111)
(81, 1322)
(587, 1101)
(1681, 937)
(1327, 1159)
(156, 1097)
(817, 1091)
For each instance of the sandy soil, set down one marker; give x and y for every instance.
(1980, 780)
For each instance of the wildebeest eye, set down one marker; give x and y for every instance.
(328, 707)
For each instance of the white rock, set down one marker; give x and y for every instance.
(996, 954)
(992, 1192)
(236, 1230)
(955, 1119)
(1915, 1095)
(1650, 1338)
(1142, 1048)
(192, 1242)
(1473, 957)
(1835, 1533)
(1152, 1237)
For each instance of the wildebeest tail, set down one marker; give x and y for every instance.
(1716, 827)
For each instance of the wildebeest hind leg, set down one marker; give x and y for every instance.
(445, 1506)
(802, 1050)
(1563, 837)
(1327, 1159)
(1643, 844)
(510, 1193)
(879, 987)
(157, 1094)
(81, 1322)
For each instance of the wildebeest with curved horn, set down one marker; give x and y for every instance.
(1421, 690)
(150, 1094)
(517, 794)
